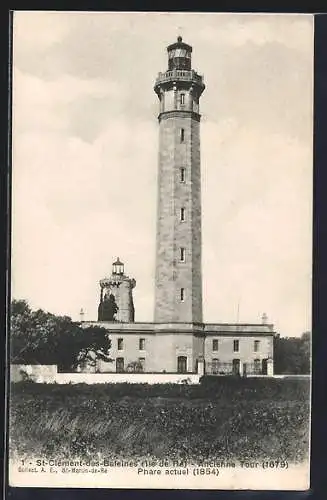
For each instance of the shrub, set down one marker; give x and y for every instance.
(226, 420)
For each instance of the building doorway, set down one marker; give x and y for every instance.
(264, 367)
(215, 366)
(257, 366)
(245, 368)
(236, 367)
(119, 365)
(182, 364)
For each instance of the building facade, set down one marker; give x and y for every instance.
(178, 341)
(224, 349)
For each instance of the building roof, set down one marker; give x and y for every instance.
(117, 262)
(179, 44)
(195, 328)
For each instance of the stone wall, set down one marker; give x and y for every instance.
(36, 373)
(49, 374)
(124, 299)
(129, 378)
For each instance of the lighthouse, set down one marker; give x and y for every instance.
(177, 340)
(178, 277)
(116, 296)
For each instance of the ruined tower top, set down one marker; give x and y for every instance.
(116, 297)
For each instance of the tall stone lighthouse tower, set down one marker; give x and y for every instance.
(178, 281)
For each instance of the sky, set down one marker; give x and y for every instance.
(85, 154)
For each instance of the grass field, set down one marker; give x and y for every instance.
(223, 418)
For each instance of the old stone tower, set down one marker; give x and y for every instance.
(178, 281)
(116, 296)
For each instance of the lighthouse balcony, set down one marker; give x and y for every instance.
(179, 75)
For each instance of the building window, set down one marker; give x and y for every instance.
(215, 366)
(120, 344)
(182, 294)
(119, 365)
(182, 135)
(182, 174)
(141, 344)
(256, 345)
(182, 214)
(182, 254)
(182, 99)
(215, 345)
(236, 345)
(142, 364)
(182, 364)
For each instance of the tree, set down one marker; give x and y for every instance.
(39, 337)
(305, 349)
(23, 342)
(292, 354)
(31, 339)
(89, 344)
(135, 366)
(108, 308)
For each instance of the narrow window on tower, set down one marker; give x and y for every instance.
(182, 134)
(182, 254)
(182, 174)
(236, 345)
(182, 99)
(182, 294)
(182, 214)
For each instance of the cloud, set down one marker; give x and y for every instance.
(291, 31)
(257, 225)
(256, 67)
(85, 160)
(269, 85)
(78, 203)
(61, 105)
(37, 30)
